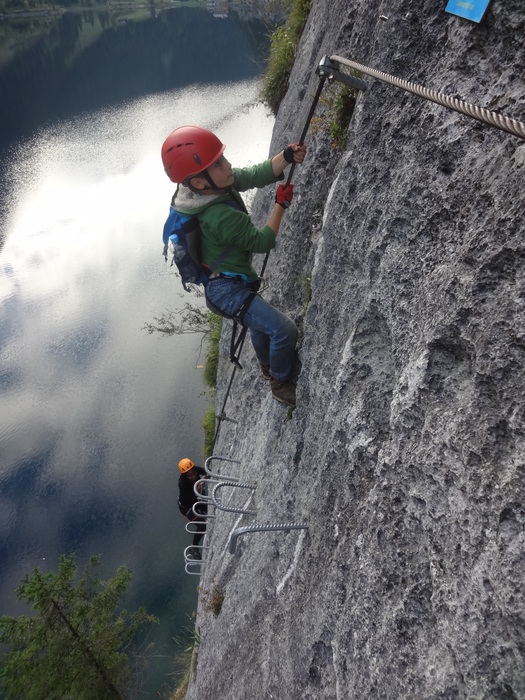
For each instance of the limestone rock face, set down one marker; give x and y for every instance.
(405, 455)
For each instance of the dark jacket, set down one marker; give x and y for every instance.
(187, 495)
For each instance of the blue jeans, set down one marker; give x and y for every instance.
(273, 334)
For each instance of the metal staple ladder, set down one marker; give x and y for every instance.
(234, 484)
(195, 567)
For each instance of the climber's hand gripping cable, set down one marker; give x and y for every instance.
(294, 152)
(284, 195)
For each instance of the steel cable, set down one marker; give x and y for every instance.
(512, 126)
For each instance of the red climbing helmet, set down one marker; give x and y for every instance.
(188, 151)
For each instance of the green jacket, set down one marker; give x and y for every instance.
(223, 226)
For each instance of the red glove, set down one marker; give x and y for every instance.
(284, 195)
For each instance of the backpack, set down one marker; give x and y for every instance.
(181, 236)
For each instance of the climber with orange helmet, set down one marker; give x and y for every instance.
(208, 187)
(190, 473)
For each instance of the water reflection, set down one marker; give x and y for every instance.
(85, 60)
(94, 412)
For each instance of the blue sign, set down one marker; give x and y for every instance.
(469, 9)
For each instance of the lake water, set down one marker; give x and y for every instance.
(95, 412)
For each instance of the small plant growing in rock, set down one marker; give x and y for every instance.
(187, 659)
(284, 43)
(212, 599)
(307, 286)
(342, 109)
(339, 106)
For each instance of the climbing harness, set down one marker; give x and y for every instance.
(238, 320)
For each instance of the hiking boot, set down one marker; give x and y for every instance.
(194, 553)
(265, 369)
(283, 391)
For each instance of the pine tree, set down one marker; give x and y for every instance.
(73, 646)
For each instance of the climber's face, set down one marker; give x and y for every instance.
(192, 475)
(221, 173)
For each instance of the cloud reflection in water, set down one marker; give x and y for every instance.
(94, 412)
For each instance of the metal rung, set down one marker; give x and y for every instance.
(223, 416)
(189, 561)
(263, 527)
(233, 484)
(192, 522)
(194, 562)
(195, 546)
(220, 459)
(201, 496)
(202, 516)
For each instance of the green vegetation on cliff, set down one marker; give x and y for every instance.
(284, 43)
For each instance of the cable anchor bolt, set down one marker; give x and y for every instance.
(330, 70)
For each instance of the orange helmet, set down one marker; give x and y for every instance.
(185, 465)
(188, 151)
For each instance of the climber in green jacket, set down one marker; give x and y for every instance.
(209, 187)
